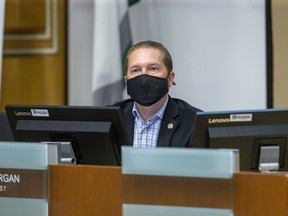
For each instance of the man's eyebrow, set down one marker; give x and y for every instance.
(148, 65)
(134, 66)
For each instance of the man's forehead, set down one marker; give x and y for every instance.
(147, 54)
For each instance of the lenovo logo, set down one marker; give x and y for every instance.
(218, 120)
(22, 113)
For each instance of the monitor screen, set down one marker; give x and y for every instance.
(95, 133)
(259, 135)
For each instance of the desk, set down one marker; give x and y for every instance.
(76, 190)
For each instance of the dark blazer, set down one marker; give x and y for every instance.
(178, 114)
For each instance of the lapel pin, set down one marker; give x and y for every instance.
(170, 126)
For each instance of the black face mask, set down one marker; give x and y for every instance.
(147, 90)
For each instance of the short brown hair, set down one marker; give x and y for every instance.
(151, 44)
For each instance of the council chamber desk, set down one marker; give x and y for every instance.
(76, 190)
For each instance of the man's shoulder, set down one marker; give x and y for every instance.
(184, 106)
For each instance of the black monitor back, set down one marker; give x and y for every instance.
(96, 133)
(245, 130)
(5, 129)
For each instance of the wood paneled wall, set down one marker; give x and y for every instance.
(34, 61)
(280, 52)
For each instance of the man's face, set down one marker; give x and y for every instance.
(146, 61)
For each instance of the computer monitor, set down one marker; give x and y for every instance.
(259, 135)
(5, 129)
(96, 133)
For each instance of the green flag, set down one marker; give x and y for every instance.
(112, 39)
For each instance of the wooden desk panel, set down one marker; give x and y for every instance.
(77, 190)
(260, 194)
(177, 191)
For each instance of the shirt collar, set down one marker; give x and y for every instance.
(160, 112)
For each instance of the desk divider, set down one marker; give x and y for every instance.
(24, 178)
(177, 181)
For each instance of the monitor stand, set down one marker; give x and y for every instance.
(65, 152)
(269, 158)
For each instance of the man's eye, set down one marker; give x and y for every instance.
(136, 70)
(153, 68)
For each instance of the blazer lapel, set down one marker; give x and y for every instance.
(129, 120)
(169, 124)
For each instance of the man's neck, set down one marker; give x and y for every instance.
(147, 112)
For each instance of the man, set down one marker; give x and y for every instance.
(152, 117)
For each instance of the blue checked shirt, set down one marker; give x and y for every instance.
(146, 134)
